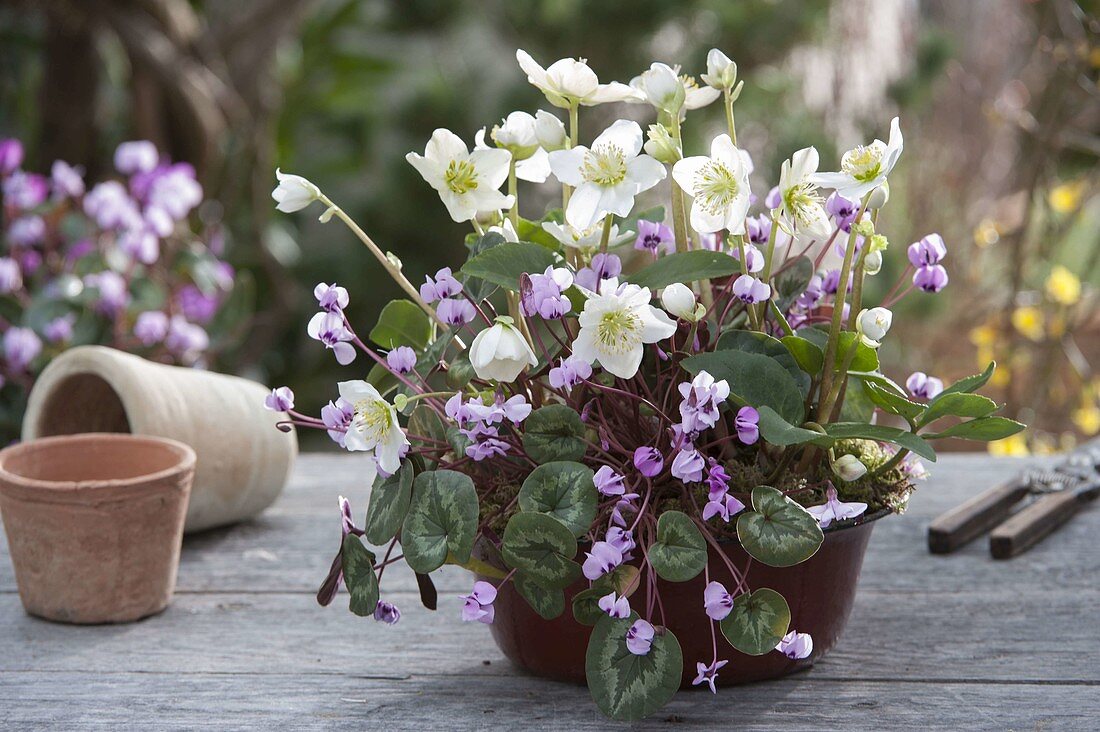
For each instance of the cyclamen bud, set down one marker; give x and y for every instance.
(849, 468)
(679, 301)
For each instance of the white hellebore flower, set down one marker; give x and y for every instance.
(501, 352)
(849, 468)
(719, 186)
(800, 204)
(374, 425)
(660, 85)
(517, 135)
(570, 81)
(550, 131)
(616, 324)
(608, 176)
(873, 324)
(586, 238)
(721, 71)
(467, 182)
(696, 96)
(679, 301)
(865, 167)
(293, 192)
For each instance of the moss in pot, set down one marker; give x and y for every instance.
(662, 461)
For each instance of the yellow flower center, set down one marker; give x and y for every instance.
(619, 331)
(461, 176)
(800, 199)
(715, 187)
(864, 161)
(605, 166)
(373, 417)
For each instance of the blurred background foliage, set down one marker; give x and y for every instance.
(998, 101)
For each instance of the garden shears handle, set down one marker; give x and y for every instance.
(960, 525)
(1035, 521)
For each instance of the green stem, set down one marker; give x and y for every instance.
(606, 237)
(679, 220)
(729, 115)
(513, 192)
(889, 464)
(574, 132)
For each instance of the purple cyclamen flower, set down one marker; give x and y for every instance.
(626, 503)
(928, 251)
(337, 417)
(603, 267)
(654, 237)
(60, 329)
(931, 279)
(26, 231)
(401, 360)
(442, 286)
(711, 241)
(151, 327)
(639, 638)
(707, 674)
(723, 505)
(811, 296)
(759, 229)
(796, 645)
(843, 210)
(751, 290)
(688, 465)
(835, 510)
(332, 298)
(717, 601)
(158, 222)
(110, 205)
(21, 346)
(196, 306)
(702, 397)
(603, 558)
(608, 482)
(773, 200)
(747, 424)
(11, 276)
(542, 294)
(175, 190)
(569, 372)
(25, 190)
(329, 329)
(753, 257)
(280, 399)
(137, 156)
(515, 409)
(112, 296)
(615, 606)
(457, 411)
(11, 155)
(831, 281)
(140, 244)
(491, 447)
(186, 340)
(78, 250)
(479, 603)
(923, 386)
(347, 523)
(622, 539)
(386, 613)
(649, 461)
(718, 480)
(67, 180)
(455, 312)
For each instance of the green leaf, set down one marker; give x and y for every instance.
(541, 547)
(762, 343)
(425, 422)
(382, 379)
(626, 686)
(878, 380)
(389, 503)
(891, 402)
(807, 355)
(904, 438)
(442, 520)
(459, 374)
(458, 441)
(357, 564)
(754, 379)
(548, 602)
(685, 267)
(777, 431)
(856, 405)
(758, 621)
(503, 265)
(402, 323)
(623, 580)
(554, 432)
(971, 383)
(532, 231)
(958, 404)
(563, 490)
(986, 429)
(865, 359)
(778, 531)
(680, 551)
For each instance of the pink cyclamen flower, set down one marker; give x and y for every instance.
(843, 210)
(615, 606)
(442, 286)
(639, 638)
(21, 346)
(280, 399)
(112, 295)
(608, 482)
(759, 230)
(835, 510)
(151, 327)
(543, 294)
(928, 251)
(329, 329)
(655, 238)
(626, 503)
(750, 290)
(747, 424)
(923, 386)
(387, 613)
(515, 409)
(707, 674)
(337, 417)
(186, 340)
(701, 400)
(26, 231)
(332, 298)
(25, 190)
(722, 506)
(796, 645)
(603, 267)
(603, 558)
(569, 372)
(401, 360)
(479, 604)
(487, 448)
(931, 279)
(717, 601)
(11, 155)
(688, 465)
(773, 200)
(649, 461)
(622, 539)
(455, 312)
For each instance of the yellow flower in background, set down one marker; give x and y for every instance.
(1065, 198)
(987, 233)
(1087, 419)
(1014, 446)
(1063, 287)
(983, 335)
(1001, 376)
(1029, 321)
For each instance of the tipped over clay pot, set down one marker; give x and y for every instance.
(95, 523)
(243, 459)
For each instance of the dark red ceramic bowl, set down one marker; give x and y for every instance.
(820, 592)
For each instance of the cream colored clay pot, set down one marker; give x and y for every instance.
(243, 459)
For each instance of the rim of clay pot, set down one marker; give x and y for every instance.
(184, 462)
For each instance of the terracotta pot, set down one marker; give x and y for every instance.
(243, 459)
(95, 523)
(820, 592)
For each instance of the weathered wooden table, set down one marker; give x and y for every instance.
(958, 642)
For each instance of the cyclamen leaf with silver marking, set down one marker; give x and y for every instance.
(680, 552)
(563, 490)
(362, 583)
(758, 621)
(442, 520)
(626, 686)
(778, 531)
(554, 432)
(542, 547)
(389, 502)
(548, 602)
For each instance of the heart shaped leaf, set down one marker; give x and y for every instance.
(357, 563)
(752, 342)
(554, 432)
(548, 602)
(778, 532)
(389, 502)
(758, 621)
(442, 520)
(680, 551)
(563, 490)
(402, 323)
(754, 379)
(626, 686)
(541, 547)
